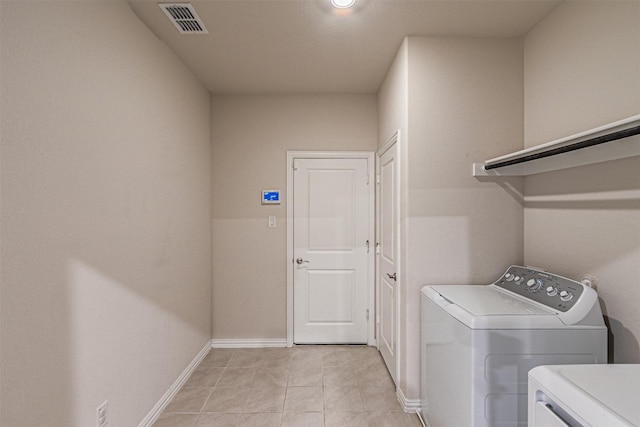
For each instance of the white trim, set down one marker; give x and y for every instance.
(395, 139)
(249, 343)
(370, 156)
(289, 261)
(153, 415)
(409, 405)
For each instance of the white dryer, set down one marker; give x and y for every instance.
(584, 396)
(478, 344)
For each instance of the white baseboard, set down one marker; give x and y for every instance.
(153, 415)
(249, 343)
(409, 405)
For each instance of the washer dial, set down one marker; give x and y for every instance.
(534, 285)
(566, 296)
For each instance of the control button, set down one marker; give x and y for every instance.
(566, 296)
(552, 291)
(509, 277)
(519, 280)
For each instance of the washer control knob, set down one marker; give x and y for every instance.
(519, 280)
(552, 291)
(534, 284)
(509, 277)
(566, 295)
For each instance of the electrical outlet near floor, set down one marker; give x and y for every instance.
(102, 419)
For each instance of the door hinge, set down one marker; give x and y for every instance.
(293, 165)
(367, 314)
(377, 179)
(377, 248)
(367, 178)
(367, 246)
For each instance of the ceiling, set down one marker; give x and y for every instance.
(307, 46)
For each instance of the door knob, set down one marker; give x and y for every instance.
(392, 276)
(300, 261)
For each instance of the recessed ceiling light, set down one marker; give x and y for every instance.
(342, 4)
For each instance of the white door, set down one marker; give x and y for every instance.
(387, 253)
(332, 217)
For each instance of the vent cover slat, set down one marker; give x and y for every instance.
(184, 17)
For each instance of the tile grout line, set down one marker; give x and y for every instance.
(360, 383)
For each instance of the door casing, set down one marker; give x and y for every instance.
(370, 156)
(394, 141)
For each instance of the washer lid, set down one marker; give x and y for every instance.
(489, 307)
(489, 301)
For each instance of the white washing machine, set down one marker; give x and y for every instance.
(584, 396)
(478, 344)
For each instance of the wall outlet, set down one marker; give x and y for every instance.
(102, 418)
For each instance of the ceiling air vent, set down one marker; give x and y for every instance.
(184, 17)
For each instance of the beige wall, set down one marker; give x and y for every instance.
(393, 98)
(464, 105)
(582, 70)
(250, 137)
(105, 215)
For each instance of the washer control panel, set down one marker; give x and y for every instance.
(553, 291)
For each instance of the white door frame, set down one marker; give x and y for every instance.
(370, 157)
(395, 139)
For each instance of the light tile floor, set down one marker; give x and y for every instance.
(303, 386)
